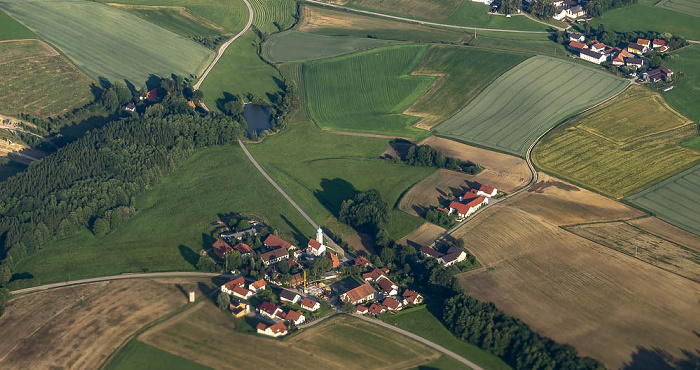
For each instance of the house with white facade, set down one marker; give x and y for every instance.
(465, 210)
(257, 286)
(275, 330)
(310, 305)
(487, 191)
(316, 246)
(592, 56)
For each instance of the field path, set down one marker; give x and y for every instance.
(421, 340)
(382, 15)
(225, 45)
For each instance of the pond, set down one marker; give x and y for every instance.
(257, 118)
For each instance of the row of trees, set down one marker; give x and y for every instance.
(595, 8)
(425, 155)
(542, 8)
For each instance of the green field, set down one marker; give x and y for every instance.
(320, 170)
(273, 15)
(172, 220)
(615, 150)
(176, 19)
(684, 96)
(523, 43)
(10, 29)
(675, 200)
(464, 72)
(422, 322)
(693, 143)
(476, 15)
(42, 85)
(367, 92)
(645, 16)
(293, 46)
(691, 7)
(106, 42)
(437, 10)
(526, 101)
(138, 355)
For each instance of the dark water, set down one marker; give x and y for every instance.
(256, 117)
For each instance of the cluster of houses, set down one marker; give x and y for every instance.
(632, 56)
(471, 201)
(453, 256)
(568, 9)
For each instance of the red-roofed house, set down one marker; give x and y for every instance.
(241, 292)
(228, 287)
(316, 246)
(644, 42)
(276, 330)
(295, 317)
(375, 275)
(430, 252)
(310, 305)
(269, 310)
(334, 260)
(597, 47)
(221, 248)
(376, 309)
(657, 43)
(361, 294)
(274, 256)
(361, 309)
(487, 191)
(389, 287)
(243, 248)
(466, 210)
(577, 46)
(362, 261)
(191, 104)
(257, 286)
(152, 95)
(273, 242)
(392, 304)
(411, 297)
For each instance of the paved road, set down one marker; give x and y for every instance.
(225, 45)
(421, 340)
(417, 21)
(338, 250)
(118, 277)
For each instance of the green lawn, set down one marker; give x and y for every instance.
(644, 16)
(691, 7)
(10, 29)
(109, 43)
(320, 170)
(693, 143)
(139, 355)
(292, 46)
(684, 96)
(367, 92)
(476, 15)
(177, 19)
(422, 322)
(172, 222)
(526, 101)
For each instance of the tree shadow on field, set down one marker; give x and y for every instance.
(298, 234)
(189, 255)
(207, 241)
(21, 276)
(333, 193)
(658, 359)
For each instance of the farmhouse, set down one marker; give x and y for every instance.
(389, 286)
(269, 310)
(289, 296)
(316, 246)
(361, 310)
(597, 46)
(239, 235)
(574, 36)
(276, 330)
(361, 294)
(257, 286)
(392, 304)
(411, 297)
(592, 56)
(375, 275)
(310, 305)
(238, 309)
(577, 46)
(243, 248)
(658, 74)
(487, 191)
(430, 252)
(228, 287)
(241, 292)
(646, 44)
(660, 44)
(466, 210)
(621, 57)
(221, 248)
(376, 309)
(295, 317)
(273, 242)
(453, 257)
(274, 256)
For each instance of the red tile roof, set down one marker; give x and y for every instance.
(240, 291)
(308, 304)
(577, 45)
(462, 209)
(599, 45)
(362, 261)
(334, 258)
(243, 248)
(643, 42)
(391, 303)
(361, 292)
(274, 241)
(313, 243)
(258, 284)
(659, 42)
(376, 309)
(489, 189)
(410, 295)
(361, 309)
(261, 326)
(476, 202)
(374, 275)
(191, 104)
(268, 307)
(294, 315)
(387, 285)
(278, 328)
(239, 281)
(297, 279)
(221, 248)
(152, 95)
(274, 254)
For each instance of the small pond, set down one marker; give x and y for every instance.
(257, 118)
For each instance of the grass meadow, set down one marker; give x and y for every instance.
(474, 14)
(10, 29)
(320, 170)
(106, 42)
(294, 46)
(367, 92)
(682, 6)
(42, 85)
(526, 101)
(138, 355)
(684, 96)
(429, 9)
(176, 19)
(172, 222)
(618, 150)
(675, 200)
(421, 321)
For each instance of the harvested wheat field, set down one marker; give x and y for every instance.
(609, 305)
(424, 235)
(79, 327)
(441, 186)
(338, 343)
(361, 242)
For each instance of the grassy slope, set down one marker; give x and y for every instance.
(10, 29)
(693, 143)
(174, 215)
(320, 170)
(138, 355)
(691, 7)
(422, 322)
(644, 16)
(292, 46)
(367, 92)
(437, 10)
(527, 100)
(176, 19)
(684, 96)
(95, 37)
(465, 71)
(616, 151)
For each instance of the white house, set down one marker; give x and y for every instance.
(389, 287)
(453, 258)
(465, 210)
(392, 305)
(487, 191)
(411, 297)
(310, 305)
(257, 286)
(361, 294)
(289, 296)
(241, 292)
(592, 56)
(295, 317)
(276, 330)
(316, 246)
(598, 47)
(574, 36)
(228, 287)
(269, 310)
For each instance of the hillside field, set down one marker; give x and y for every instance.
(427, 9)
(682, 6)
(319, 170)
(475, 14)
(293, 46)
(108, 43)
(10, 29)
(337, 343)
(367, 92)
(139, 355)
(609, 305)
(684, 95)
(39, 81)
(618, 150)
(675, 200)
(171, 223)
(526, 101)
(177, 19)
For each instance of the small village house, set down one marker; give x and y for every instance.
(274, 256)
(362, 261)
(241, 292)
(257, 286)
(275, 330)
(487, 191)
(577, 46)
(221, 248)
(635, 48)
(411, 297)
(269, 310)
(453, 258)
(465, 210)
(243, 249)
(374, 275)
(289, 296)
(376, 309)
(634, 63)
(392, 305)
(228, 287)
(316, 246)
(310, 305)
(597, 46)
(273, 242)
(238, 308)
(361, 309)
(574, 36)
(361, 294)
(389, 287)
(131, 107)
(592, 56)
(295, 317)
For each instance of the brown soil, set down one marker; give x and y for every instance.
(424, 235)
(433, 190)
(667, 231)
(79, 327)
(361, 242)
(607, 304)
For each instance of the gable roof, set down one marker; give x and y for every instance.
(278, 328)
(634, 61)
(221, 248)
(361, 309)
(239, 281)
(240, 290)
(243, 248)
(577, 45)
(452, 256)
(362, 261)
(258, 284)
(308, 303)
(387, 285)
(297, 279)
(294, 315)
(391, 303)
(475, 202)
(431, 252)
(334, 259)
(410, 295)
(487, 189)
(660, 42)
(635, 46)
(462, 209)
(591, 53)
(375, 274)
(313, 243)
(274, 254)
(361, 292)
(289, 295)
(643, 42)
(268, 307)
(376, 309)
(273, 241)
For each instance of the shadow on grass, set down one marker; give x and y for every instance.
(658, 359)
(333, 193)
(21, 276)
(189, 255)
(298, 234)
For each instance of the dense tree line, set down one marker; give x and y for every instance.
(484, 325)
(366, 210)
(440, 218)
(595, 8)
(425, 155)
(542, 8)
